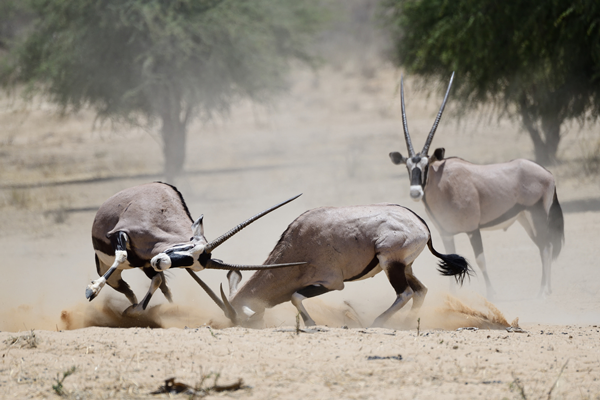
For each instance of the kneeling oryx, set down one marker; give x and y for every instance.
(341, 244)
(150, 227)
(463, 197)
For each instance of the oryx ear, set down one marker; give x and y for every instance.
(397, 158)
(198, 228)
(438, 154)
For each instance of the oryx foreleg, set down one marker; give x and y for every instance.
(395, 272)
(157, 280)
(94, 288)
(477, 244)
(302, 294)
(151, 273)
(534, 221)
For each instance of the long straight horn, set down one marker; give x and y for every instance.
(411, 151)
(218, 264)
(218, 241)
(437, 119)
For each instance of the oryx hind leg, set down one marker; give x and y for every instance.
(396, 273)
(157, 281)
(305, 293)
(120, 245)
(534, 221)
(477, 244)
(450, 248)
(419, 289)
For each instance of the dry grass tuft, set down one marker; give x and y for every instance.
(464, 315)
(28, 341)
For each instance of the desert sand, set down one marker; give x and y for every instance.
(328, 139)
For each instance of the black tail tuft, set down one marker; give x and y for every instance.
(452, 265)
(556, 225)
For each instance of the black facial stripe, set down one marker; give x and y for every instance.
(416, 177)
(181, 260)
(179, 248)
(203, 259)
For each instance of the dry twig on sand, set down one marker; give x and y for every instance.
(171, 386)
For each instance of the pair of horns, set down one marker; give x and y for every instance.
(411, 151)
(217, 264)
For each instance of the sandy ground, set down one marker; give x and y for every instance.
(329, 140)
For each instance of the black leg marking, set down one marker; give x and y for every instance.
(397, 277)
(97, 264)
(312, 291)
(150, 272)
(146, 301)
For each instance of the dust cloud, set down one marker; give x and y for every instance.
(328, 140)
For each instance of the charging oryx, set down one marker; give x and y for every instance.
(463, 197)
(152, 222)
(341, 244)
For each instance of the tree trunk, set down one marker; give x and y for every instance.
(173, 132)
(546, 139)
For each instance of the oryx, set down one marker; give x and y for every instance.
(463, 197)
(151, 222)
(341, 244)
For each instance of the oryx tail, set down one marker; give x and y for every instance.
(451, 264)
(556, 226)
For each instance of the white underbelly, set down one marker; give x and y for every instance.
(109, 260)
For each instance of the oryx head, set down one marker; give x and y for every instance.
(196, 254)
(418, 163)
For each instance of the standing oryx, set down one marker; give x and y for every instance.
(152, 222)
(342, 244)
(464, 197)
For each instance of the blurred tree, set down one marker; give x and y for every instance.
(15, 16)
(539, 60)
(162, 61)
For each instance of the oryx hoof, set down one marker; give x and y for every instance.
(90, 294)
(132, 311)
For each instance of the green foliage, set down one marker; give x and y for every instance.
(170, 60)
(543, 58)
(127, 56)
